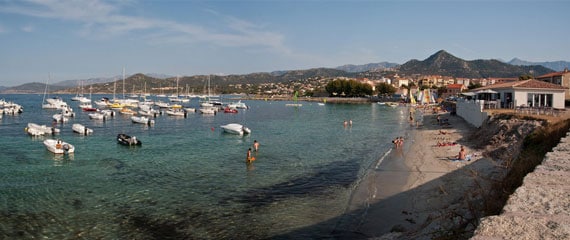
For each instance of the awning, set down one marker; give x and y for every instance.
(486, 91)
(468, 93)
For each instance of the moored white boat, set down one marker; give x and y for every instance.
(208, 110)
(237, 104)
(236, 128)
(108, 112)
(142, 120)
(37, 130)
(176, 112)
(97, 116)
(58, 146)
(60, 118)
(78, 128)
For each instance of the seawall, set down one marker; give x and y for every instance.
(540, 207)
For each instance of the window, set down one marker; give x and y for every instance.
(539, 100)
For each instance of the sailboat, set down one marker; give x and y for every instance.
(52, 103)
(295, 96)
(207, 107)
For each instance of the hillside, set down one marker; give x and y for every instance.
(555, 65)
(367, 67)
(138, 82)
(34, 87)
(445, 64)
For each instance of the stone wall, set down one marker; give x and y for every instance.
(540, 207)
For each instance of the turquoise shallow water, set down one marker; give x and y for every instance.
(189, 180)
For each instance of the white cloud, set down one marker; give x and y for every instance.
(102, 19)
(27, 28)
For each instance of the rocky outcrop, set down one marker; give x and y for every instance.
(540, 208)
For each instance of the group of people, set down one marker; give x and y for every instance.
(398, 142)
(347, 123)
(250, 158)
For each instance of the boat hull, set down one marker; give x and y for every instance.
(127, 140)
(235, 128)
(58, 147)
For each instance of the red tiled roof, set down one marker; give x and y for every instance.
(553, 74)
(531, 83)
(454, 86)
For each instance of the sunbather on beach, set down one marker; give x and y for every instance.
(445, 144)
(462, 154)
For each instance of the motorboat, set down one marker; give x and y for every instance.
(176, 112)
(39, 130)
(127, 140)
(162, 104)
(97, 116)
(189, 109)
(58, 146)
(149, 113)
(127, 111)
(208, 110)
(230, 110)
(78, 128)
(236, 128)
(60, 118)
(108, 112)
(142, 120)
(67, 112)
(238, 104)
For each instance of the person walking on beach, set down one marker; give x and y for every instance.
(256, 145)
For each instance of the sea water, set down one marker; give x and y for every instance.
(189, 180)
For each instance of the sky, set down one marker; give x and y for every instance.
(72, 40)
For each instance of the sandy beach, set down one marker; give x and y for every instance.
(415, 187)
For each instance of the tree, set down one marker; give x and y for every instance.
(350, 88)
(385, 89)
(474, 85)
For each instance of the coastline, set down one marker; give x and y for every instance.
(409, 186)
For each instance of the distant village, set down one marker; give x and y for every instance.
(404, 85)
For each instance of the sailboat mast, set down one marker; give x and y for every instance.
(45, 91)
(123, 82)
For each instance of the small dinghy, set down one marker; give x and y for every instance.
(78, 128)
(127, 140)
(142, 120)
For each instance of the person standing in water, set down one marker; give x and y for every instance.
(248, 157)
(255, 145)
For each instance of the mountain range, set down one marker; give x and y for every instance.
(556, 65)
(445, 64)
(440, 63)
